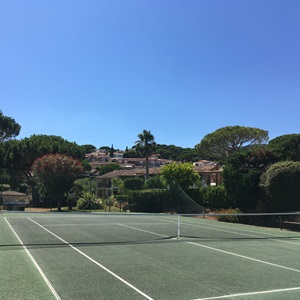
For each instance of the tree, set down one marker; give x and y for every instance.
(155, 182)
(280, 184)
(286, 147)
(130, 154)
(57, 172)
(20, 155)
(88, 148)
(9, 128)
(182, 173)
(226, 140)
(111, 151)
(241, 176)
(104, 169)
(145, 146)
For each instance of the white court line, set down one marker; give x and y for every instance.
(94, 261)
(35, 263)
(99, 224)
(138, 229)
(238, 255)
(251, 294)
(243, 256)
(219, 250)
(240, 233)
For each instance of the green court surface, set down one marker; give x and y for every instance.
(139, 256)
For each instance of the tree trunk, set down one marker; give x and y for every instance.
(147, 167)
(58, 203)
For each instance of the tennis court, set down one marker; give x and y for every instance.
(139, 256)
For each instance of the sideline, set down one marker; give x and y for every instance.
(94, 261)
(35, 263)
(251, 294)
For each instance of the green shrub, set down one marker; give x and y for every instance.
(280, 184)
(214, 196)
(122, 198)
(228, 215)
(152, 201)
(154, 182)
(133, 183)
(88, 201)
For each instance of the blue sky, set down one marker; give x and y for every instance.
(100, 71)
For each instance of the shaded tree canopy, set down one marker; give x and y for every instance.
(89, 148)
(280, 183)
(21, 154)
(286, 147)
(9, 128)
(226, 140)
(108, 168)
(241, 176)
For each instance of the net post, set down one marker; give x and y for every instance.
(280, 222)
(178, 227)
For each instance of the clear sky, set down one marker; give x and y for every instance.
(100, 71)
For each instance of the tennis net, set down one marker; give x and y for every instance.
(57, 229)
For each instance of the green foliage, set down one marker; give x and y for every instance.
(111, 151)
(133, 183)
(88, 201)
(119, 183)
(122, 198)
(170, 152)
(104, 169)
(84, 185)
(131, 154)
(4, 187)
(57, 172)
(228, 215)
(145, 146)
(286, 147)
(226, 140)
(280, 183)
(181, 173)
(20, 155)
(214, 197)
(241, 176)
(176, 153)
(88, 148)
(9, 128)
(151, 201)
(155, 182)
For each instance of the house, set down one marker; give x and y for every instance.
(104, 187)
(14, 200)
(211, 174)
(210, 171)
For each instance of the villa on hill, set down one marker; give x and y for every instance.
(210, 172)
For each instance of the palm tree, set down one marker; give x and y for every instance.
(145, 146)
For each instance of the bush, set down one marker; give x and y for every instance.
(280, 183)
(122, 198)
(155, 182)
(214, 196)
(227, 215)
(152, 201)
(133, 183)
(88, 201)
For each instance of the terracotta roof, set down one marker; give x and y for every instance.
(130, 173)
(13, 193)
(153, 171)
